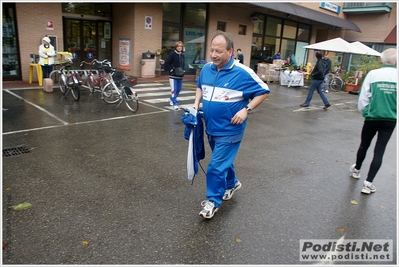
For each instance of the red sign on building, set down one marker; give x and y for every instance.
(49, 25)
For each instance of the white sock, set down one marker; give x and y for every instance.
(366, 183)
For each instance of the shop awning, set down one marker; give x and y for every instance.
(307, 13)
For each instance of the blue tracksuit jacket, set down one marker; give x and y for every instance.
(224, 93)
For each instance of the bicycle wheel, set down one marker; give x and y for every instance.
(131, 99)
(109, 94)
(336, 83)
(91, 83)
(103, 83)
(62, 84)
(75, 91)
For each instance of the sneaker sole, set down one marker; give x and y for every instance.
(351, 175)
(357, 178)
(233, 192)
(367, 192)
(208, 217)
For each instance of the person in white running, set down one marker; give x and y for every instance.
(377, 103)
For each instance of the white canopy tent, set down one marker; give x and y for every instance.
(340, 45)
(367, 50)
(334, 45)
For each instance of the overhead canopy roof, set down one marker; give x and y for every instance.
(307, 13)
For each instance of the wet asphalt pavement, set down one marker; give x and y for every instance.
(109, 186)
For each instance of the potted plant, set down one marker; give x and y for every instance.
(350, 81)
(352, 84)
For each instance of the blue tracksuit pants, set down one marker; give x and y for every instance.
(175, 88)
(220, 173)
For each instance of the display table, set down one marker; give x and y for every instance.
(291, 78)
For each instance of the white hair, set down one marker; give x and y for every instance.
(388, 57)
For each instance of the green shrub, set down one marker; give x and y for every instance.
(365, 63)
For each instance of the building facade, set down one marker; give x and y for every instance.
(126, 32)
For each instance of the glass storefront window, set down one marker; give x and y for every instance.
(273, 26)
(73, 41)
(256, 52)
(300, 52)
(11, 68)
(191, 31)
(280, 35)
(289, 30)
(287, 46)
(303, 33)
(194, 40)
(258, 25)
(195, 14)
(272, 45)
(170, 35)
(94, 9)
(171, 12)
(104, 40)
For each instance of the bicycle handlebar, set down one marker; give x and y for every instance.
(89, 63)
(101, 64)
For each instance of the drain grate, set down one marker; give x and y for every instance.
(15, 151)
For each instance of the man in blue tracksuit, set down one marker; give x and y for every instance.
(225, 88)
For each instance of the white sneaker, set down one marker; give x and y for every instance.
(326, 91)
(368, 188)
(229, 192)
(170, 102)
(355, 173)
(176, 107)
(209, 209)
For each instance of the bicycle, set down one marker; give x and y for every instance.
(336, 81)
(120, 88)
(69, 81)
(95, 83)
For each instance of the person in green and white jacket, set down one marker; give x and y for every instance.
(377, 103)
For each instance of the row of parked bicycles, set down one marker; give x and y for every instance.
(113, 85)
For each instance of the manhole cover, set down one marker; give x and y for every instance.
(15, 151)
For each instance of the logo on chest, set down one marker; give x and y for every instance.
(223, 95)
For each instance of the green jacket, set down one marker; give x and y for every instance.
(377, 97)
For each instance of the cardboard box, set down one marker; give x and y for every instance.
(278, 62)
(262, 68)
(63, 57)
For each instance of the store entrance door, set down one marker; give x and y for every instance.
(87, 40)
